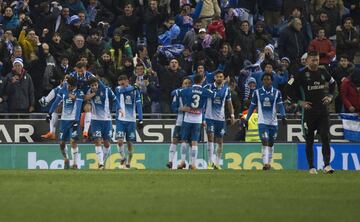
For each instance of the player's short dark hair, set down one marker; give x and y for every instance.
(92, 80)
(72, 81)
(122, 77)
(198, 78)
(219, 72)
(313, 53)
(267, 74)
(80, 65)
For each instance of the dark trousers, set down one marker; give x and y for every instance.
(321, 124)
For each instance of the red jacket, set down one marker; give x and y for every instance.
(323, 46)
(350, 95)
(217, 26)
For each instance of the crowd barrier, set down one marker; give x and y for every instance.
(239, 156)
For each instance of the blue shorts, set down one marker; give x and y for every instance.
(126, 130)
(215, 127)
(177, 133)
(66, 130)
(268, 132)
(190, 131)
(101, 129)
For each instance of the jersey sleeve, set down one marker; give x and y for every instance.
(253, 104)
(333, 88)
(58, 99)
(228, 94)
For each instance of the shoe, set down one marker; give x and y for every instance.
(267, 167)
(101, 167)
(217, 167)
(329, 170)
(74, 167)
(123, 161)
(210, 166)
(191, 167)
(313, 171)
(49, 136)
(85, 134)
(169, 165)
(66, 164)
(127, 166)
(182, 165)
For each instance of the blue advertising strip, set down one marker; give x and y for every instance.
(343, 156)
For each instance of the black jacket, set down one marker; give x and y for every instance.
(292, 44)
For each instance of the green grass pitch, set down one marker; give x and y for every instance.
(145, 195)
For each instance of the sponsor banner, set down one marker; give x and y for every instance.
(154, 131)
(146, 156)
(343, 156)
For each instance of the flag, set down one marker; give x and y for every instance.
(351, 125)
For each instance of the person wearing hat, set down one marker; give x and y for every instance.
(75, 28)
(350, 92)
(19, 89)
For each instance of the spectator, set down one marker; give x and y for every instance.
(261, 37)
(10, 20)
(209, 9)
(50, 80)
(169, 79)
(3, 96)
(62, 21)
(271, 11)
(341, 72)
(62, 68)
(106, 70)
(322, 21)
(129, 23)
(45, 15)
(333, 12)
(78, 50)
(249, 89)
(143, 57)
(246, 40)
(186, 60)
(74, 28)
(7, 44)
(142, 81)
(350, 92)
(95, 43)
(347, 39)
(29, 41)
(57, 47)
(323, 45)
(268, 68)
(19, 89)
(292, 44)
(96, 13)
(75, 6)
(191, 35)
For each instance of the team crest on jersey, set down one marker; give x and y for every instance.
(322, 77)
(266, 102)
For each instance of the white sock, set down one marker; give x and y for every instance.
(53, 121)
(121, 150)
(172, 151)
(99, 154)
(87, 121)
(265, 154)
(183, 151)
(194, 153)
(75, 155)
(271, 151)
(210, 146)
(106, 151)
(218, 155)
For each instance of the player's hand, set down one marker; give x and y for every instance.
(327, 100)
(140, 125)
(72, 96)
(48, 117)
(203, 124)
(306, 105)
(283, 121)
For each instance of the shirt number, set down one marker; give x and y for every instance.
(196, 100)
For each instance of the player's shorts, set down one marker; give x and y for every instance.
(101, 129)
(215, 127)
(267, 132)
(190, 131)
(67, 132)
(177, 133)
(126, 130)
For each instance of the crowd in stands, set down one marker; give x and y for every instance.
(157, 43)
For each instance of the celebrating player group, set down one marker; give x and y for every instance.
(200, 102)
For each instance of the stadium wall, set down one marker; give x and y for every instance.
(154, 131)
(288, 156)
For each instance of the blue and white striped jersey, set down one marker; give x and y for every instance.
(100, 103)
(130, 102)
(176, 104)
(267, 102)
(195, 97)
(215, 107)
(82, 80)
(71, 109)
